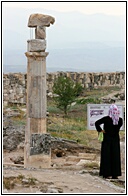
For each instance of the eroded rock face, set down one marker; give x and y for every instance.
(40, 20)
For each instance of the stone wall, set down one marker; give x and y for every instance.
(14, 84)
(14, 88)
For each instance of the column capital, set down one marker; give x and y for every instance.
(36, 54)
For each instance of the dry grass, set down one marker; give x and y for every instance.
(74, 126)
(11, 182)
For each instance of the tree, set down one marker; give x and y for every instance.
(66, 92)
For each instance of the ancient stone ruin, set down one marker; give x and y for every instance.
(37, 141)
(15, 84)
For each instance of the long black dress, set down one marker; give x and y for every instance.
(110, 163)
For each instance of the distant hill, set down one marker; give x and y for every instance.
(88, 58)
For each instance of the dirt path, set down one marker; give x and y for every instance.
(61, 180)
(65, 176)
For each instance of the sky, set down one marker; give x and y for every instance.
(109, 8)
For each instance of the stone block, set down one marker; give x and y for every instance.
(73, 158)
(36, 45)
(5, 91)
(88, 79)
(40, 144)
(37, 97)
(38, 161)
(33, 64)
(107, 82)
(23, 81)
(6, 82)
(122, 82)
(36, 54)
(21, 100)
(80, 81)
(37, 125)
(40, 32)
(87, 156)
(6, 95)
(10, 91)
(37, 152)
(19, 90)
(83, 162)
(40, 20)
(12, 96)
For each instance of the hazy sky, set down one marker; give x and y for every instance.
(110, 8)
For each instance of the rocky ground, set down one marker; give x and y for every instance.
(74, 169)
(70, 174)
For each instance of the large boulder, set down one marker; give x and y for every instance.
(13, 136)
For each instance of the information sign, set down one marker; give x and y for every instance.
(97, 111)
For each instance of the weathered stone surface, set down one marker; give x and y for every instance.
(40, 32)
(36, 68)
(37, 125)
(40, 20)
(12, 136)
(36, 54)
(37, 97)
(36, 45)
(40, 144)
(83, 162)
(73, 158)
(38, 161)
(87, 156)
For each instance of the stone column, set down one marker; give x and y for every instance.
(37, 151)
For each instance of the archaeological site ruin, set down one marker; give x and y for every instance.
(32, 88)
(37, 152)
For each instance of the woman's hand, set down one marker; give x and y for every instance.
(103, 131)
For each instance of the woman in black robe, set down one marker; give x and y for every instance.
(110, 163)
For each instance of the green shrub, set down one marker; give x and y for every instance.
(66, 92)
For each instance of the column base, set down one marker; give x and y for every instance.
(37, 151)
(38, 161)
